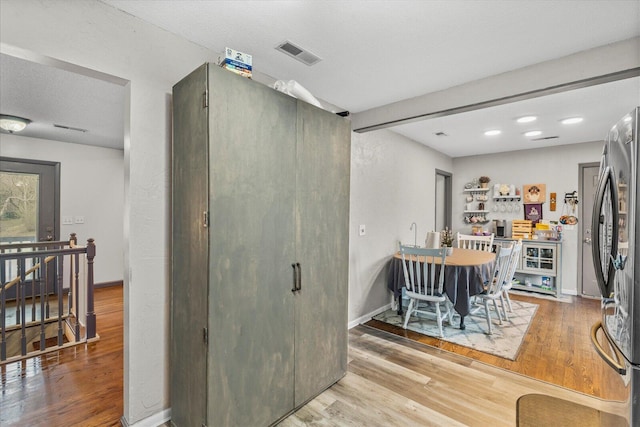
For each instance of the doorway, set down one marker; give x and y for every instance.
(443, 200)
(589, 173)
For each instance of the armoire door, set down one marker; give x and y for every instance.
(252, 202)
(189, 252)
(322, 246)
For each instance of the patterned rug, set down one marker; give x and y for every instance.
(504, 342)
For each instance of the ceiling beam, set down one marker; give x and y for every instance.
(599, 65)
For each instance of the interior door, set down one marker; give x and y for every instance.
(443, 199)
(322, 218)
(252, 231)
(589, 182)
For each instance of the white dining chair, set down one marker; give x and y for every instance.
(424, 285)
(513, 265)
(493, 290)
(478, 243)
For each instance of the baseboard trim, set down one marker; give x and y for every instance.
(368, 316)
(108, 284)
(154, 420)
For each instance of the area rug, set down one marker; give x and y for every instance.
(534, 410)
(504, 342)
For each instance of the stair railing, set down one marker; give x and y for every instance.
(32, 280)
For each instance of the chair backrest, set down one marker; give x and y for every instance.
(513, 262)
(500, 271)
(478, 243)
(426, 277)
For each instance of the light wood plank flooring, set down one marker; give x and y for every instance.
(391, 381)
(556, 349)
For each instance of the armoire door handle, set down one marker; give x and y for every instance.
(295, 278)
(299, 285)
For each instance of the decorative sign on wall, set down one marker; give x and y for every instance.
(533, 212)
(534, 193)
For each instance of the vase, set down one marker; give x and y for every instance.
(449, 251)
(484, 184)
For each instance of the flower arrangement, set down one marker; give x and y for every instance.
(446, 238)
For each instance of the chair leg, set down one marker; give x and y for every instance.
(439, 319)
(409, 309)
(488, 313)
(449, 306)
(504, 308)
(495, 305)
(506, 296)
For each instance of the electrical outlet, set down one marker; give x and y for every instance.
(79, 220)
(362, 230)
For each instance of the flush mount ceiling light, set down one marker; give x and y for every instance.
(533, 133)
(571, 120)
(527, 119)
(493, 132)
(12, 123)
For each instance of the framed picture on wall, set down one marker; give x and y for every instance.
(534, 193)
(533, 212)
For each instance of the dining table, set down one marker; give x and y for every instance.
(466, 272)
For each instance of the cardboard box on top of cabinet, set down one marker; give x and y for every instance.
(237, 62)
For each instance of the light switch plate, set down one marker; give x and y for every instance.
(362, 230)
(67, 220)
(79, 220)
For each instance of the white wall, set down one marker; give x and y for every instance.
(393, 182)
(98, 37)
(91, 185)
(557, 167)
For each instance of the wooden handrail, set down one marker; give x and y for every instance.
(39, 255)
(33, 269)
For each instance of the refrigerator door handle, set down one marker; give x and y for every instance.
(618, 363)
(606, 180)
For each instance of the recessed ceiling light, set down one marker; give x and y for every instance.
(533, 133)
(527, 119)
(572, 120)
(627, 118)
(493, 132)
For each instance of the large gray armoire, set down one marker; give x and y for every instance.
(260, 239)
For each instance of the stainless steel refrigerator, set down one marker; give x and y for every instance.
(615, 232)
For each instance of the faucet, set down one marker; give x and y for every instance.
(414, 227)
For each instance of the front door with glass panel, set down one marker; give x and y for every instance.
(29, 206)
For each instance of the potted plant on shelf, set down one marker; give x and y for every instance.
(446, 240)
(484, 180)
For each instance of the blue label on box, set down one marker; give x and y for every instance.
(237, 64)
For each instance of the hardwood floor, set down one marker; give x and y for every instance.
(556, 349)
(79, 386)
(391, 380)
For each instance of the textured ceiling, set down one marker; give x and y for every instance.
(47, 95)
(373, 53)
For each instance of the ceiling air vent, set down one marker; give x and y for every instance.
(441, 134)
(545, 138)
(70, 128)
(298, 53)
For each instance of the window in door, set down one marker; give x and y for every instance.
(29, 200)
